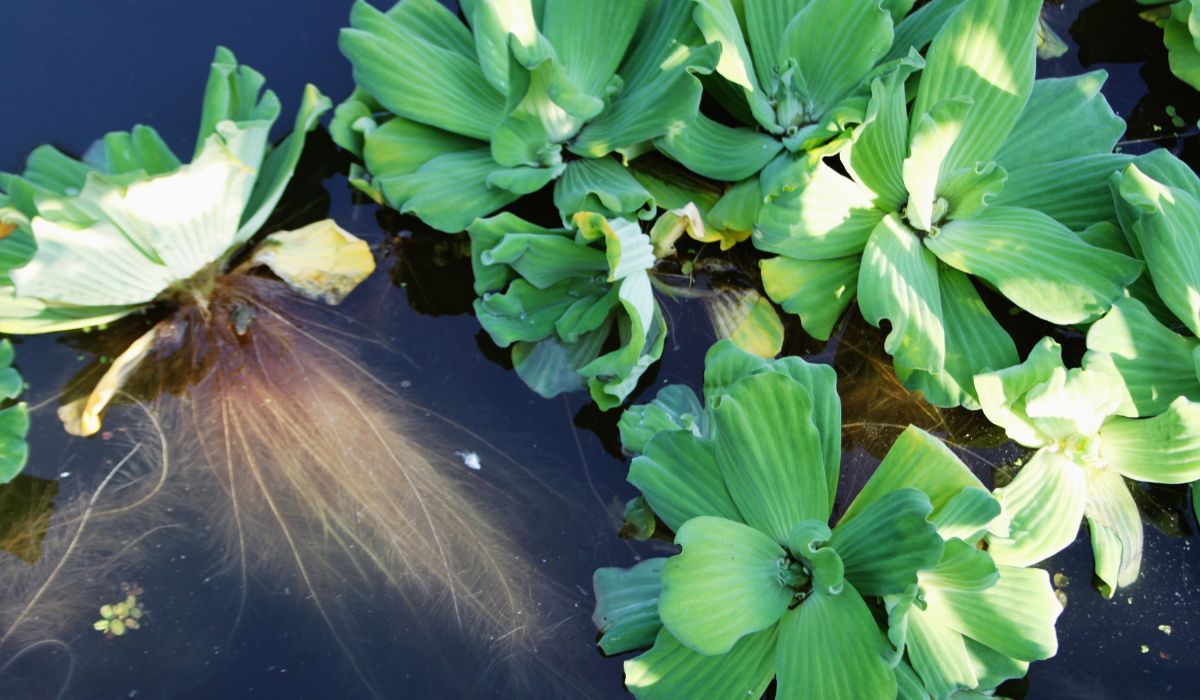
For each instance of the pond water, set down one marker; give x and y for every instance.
(552, 469)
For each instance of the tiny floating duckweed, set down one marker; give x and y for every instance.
(118, 618)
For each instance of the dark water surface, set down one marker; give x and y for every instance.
(75, 69)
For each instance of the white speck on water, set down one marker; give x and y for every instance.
(64, 475)
(471, 459)
(405, 384)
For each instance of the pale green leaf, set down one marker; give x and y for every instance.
(670, 670)
(916, 460)
(934, 135)
(880, 144)
(449, 191)
(1153, 362)
(1116, 528)
(1074, 192)
(1164, 449)
(1038, 263)
(1072, 403)
(1002, 392)
(676, 407)
(725, 585)
(1044, 504)
(1015, 617)
(813, 663)
(718, 20)
(775, 482)
(721, 152)
(765, 23)
(984, 54)
(604, 186)
(975, 343)
(679, 477)
(590, 57)
(898, 281)
(888, 543)
(817, 37)
(818, 291)
(416, 68)
(626, 611)
(1065, 118)
(828, 216)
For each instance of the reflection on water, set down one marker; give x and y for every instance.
(552, 469)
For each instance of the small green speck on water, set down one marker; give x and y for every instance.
(1145, 649)
(1061, 580)
(1165, 629)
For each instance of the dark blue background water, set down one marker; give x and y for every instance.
(74, 69)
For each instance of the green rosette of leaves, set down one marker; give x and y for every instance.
(101, 238)
(1085, 452)
(1181, 35)
(955, 187)
(794, 76)
(129, 226)
(1151, 340)
(557, 296)
(763, 587)
(455, 121)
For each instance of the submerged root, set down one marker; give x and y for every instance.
(311, 477)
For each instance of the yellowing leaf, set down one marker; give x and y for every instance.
(320, 261)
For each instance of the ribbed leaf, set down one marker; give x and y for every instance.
(627, 250)
(770, 453)
(985, 54)
(14, 451)
(766, 21)
(718, 20)
(890, 541)
(818, 291)
(679, 477)
(916, 460)
(975, 343)
(1153, 362)
(963, 567)
(1072, 403)
(627, 606)
(817, 37)
(725, 585)
(604, 186)
(1014, 617)
(1116, 528)
(898, 281)
(676, 407)
(967, 515)
(1168, 233)
(140, 150)
(933, 136)
(938, 654)
(721, 152)
(487, 234)
(590, 57)
(919, 28)
(1038, 263)
(1065, 118)
(670, 670)
(1164, 449)
(1080, 196)
(551, 367)
(1045, 504)
(813, 663)
(413, 65)
(449, 191)
(880, 144)
(748, 319)
(829, 216)
(666, 102)
(1002, 392)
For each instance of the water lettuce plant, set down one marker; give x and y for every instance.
(14, 419)
(557, 296)
(765, 588)
(954, 188)
(1150, 339)
(795, 77)
(1181, 35)
(454, 121)
(298, 464)
(1085, 452)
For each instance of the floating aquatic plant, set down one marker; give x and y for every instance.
(14, 419)
(117, 618)
(764, 588)
(1181, 35)
(1159, 203)
(951, 189)
(454, 121)
(557, 295)
(795, 77)
(1085, 452)
(306, 445)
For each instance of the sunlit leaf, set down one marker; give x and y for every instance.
(627, 606)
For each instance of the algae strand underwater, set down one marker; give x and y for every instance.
(400, 495)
